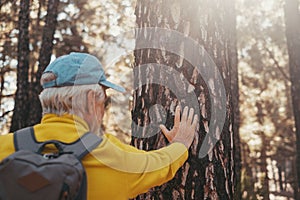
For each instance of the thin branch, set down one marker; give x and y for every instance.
(6, 69)
(277, 64)
(5, 113)
(7, 96)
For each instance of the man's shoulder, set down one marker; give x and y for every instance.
(7, 145)
(117, 141)
(6, 139)
(111, 137)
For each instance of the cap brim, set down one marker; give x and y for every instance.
(113, 86)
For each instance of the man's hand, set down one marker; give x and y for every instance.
(184, 130)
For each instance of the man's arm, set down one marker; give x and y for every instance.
(144, 170)
(161, 165)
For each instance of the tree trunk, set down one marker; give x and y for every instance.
(44, 59)
(233, 63)
(248, 186)
(265, 193)
(185, 60)
(21, 99)
(292, 19)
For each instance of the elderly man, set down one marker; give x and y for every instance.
(73, 103)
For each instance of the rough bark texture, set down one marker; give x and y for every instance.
(292, 19)
(211, 177)
(44, 59)
(27, 109)
(264, 167)
(233, 63)
(21, 99)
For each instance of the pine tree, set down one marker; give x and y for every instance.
(21, 99)
(165, 75)
(292, 20)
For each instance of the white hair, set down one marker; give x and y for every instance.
(68, 99)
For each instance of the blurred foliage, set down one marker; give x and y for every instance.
(99, 27)
(8, 55)
(265, 104)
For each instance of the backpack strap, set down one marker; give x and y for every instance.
(83, 145)
(25, 139)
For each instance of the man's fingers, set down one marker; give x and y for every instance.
(191, 115)
(185, 113)
(177, 116)
(195, 121)
(166, 132)
(163, 128)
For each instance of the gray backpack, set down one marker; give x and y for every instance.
(29, 174)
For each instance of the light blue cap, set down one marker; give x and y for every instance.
(78, 69)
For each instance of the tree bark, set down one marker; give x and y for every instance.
(233, 63)
(21, 99)
(44, 59)
(164, 79)
(265, 193)
(292, 20)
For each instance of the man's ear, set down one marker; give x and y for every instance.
(91, 103)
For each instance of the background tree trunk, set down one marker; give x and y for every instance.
(28, 110)
(44, 59)
(233, 63)
(21, 99)
(265, 191)
(292, 19)
(211, 177)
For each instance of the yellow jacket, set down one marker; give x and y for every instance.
(115, 171)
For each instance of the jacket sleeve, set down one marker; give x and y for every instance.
(159, 167)
(144, 170)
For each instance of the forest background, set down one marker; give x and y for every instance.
(266, 124)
